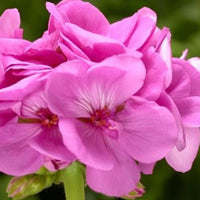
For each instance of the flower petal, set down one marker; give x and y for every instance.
(181, 83)
(14, 133)
(165, 100)
(182, 160)
(49, 142)
(95, 46)
(10, 24)
(146, 168)
(80, 13)
(189, 109)
(20, 160)
(149, 131)
(155, 75)
(118, 181)
(87, 143)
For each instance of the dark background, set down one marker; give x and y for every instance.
(183, 19)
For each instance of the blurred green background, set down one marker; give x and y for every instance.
(183, 19)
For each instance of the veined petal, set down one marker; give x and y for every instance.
(148, 132)
(87, 143)
(104, 84)
(116, 79)
(182, 160)
(64, 90)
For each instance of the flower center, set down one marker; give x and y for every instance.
(44, 117)
(101, 117)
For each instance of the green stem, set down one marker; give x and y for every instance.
(73, 178)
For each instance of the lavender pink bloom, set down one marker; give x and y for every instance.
(116, 101)
(104, 125)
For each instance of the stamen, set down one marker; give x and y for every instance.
(45, 117)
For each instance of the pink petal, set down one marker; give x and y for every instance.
(118, 78)
(119, 180)
(164, 50)
(20, 160)
(145, 25)
(180, 86)
(193, 73)
(149, 131)
(13, 46)
(146, 168)
(65, 101)
(189, 109)
(20, 89)
(14, 133)
(10, 24)
(47, 42)
(182, 160)
(96, 47)
(126, 27)
(80, 13)
(87, 143)
(49, 143)
(165, 100)
(155, 75)
(103, 85)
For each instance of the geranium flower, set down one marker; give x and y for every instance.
(104, 125)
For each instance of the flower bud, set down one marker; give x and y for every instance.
(21, 187)
(137, 192)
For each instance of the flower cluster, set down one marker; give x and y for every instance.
(110, 96)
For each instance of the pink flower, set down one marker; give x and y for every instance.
(32, 130)
(104, 125)
(90, 37)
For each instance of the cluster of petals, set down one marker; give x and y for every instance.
(110, 96)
